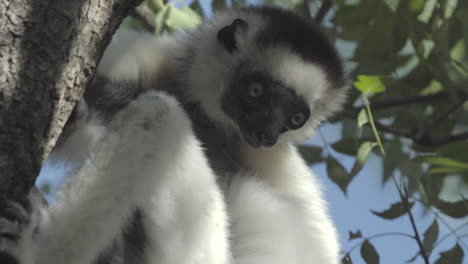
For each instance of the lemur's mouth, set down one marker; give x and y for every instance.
(260, 139)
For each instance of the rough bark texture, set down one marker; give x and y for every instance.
(48, 52)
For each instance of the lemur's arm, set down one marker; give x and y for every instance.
(104, 193)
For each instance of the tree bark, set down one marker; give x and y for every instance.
(49, 50)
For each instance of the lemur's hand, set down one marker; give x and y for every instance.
(15, 227)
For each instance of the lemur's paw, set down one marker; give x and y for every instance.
(14, 219)
(6, 258)
(151, 113)
(154, 121)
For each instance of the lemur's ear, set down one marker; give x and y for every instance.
(227, 35)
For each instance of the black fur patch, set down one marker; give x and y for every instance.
(107, 97)
(130, 248)
(227, 35)
(303, 36)
(135, 239)
(5, 258)
(261, 119)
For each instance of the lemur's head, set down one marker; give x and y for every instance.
(266, 72)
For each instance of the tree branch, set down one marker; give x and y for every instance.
(424, 140)
(402, 101)
(397, 102)
(48, 52)
(323, 11)
(422, 250)
(306, 4)
(439, 117)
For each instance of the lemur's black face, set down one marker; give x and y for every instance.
(263, 108)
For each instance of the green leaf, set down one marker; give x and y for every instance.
(183, 18)
(173, 18)
(368, 253)
(218, 4)
(430, 236)
(442, 161)
(133, 24)
(354, 235)
(362, 118)
(462, 14)
(362, 156)
(161, 18)
(311, 154)
(349, 146)
(416, 6)
(396, 210)
(454, 209)
(413, 172)
(338, 174)
(346, 259)
(430, 186)
(349, 130)
(433, 88)
(352, 16)
(401, 29)
(346, 146)
(392, 4)
(393, 158)
(369, 84)
(155, 5)
(426, 47)
(449, 8)
(428, 10)
(451, 256)
(446, 170)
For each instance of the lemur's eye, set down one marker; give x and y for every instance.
(255, 90)
(298, 119)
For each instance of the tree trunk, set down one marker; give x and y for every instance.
(49, 50)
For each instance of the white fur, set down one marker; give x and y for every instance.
(280, 167)
(281, 217)
(132, 55)
(265, 224)
(148, 159)
(283, 169)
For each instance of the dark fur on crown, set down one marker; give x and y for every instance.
(227, 35)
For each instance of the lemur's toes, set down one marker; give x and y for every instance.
(14, 218)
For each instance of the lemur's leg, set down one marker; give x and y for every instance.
(100, 198)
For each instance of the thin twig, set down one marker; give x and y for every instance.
(372, 124)
(306, 4)
(376, 236)
(439, 117)
(450, 139)
(422, 251)
(453, 231)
